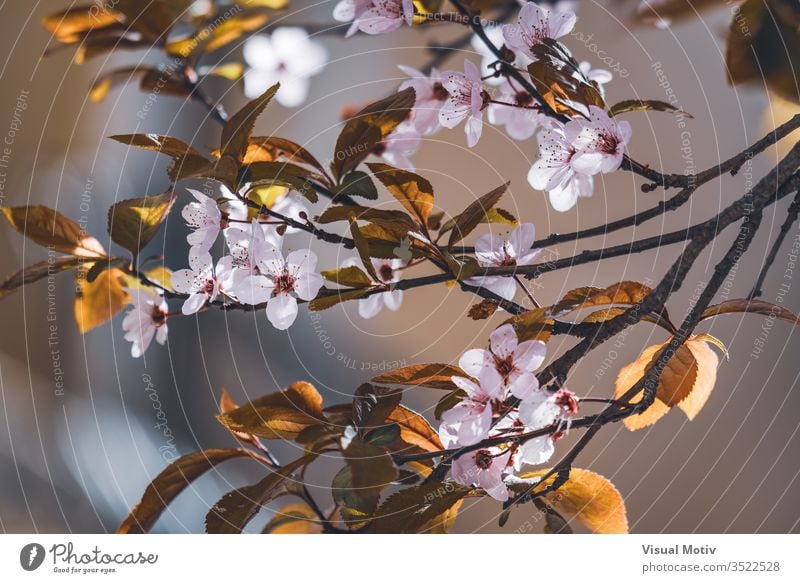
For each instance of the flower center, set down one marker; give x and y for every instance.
(483, 459)
(208, 288)
(158, 316)
(607, 143)
(386, 273)
(523, 98)
(284, 283)
(505, 367)
(567, 401)
(439, 92)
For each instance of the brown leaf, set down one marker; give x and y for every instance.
(287, 149)
(746, 306)
(413, 191)
(437, 376)
(96, 302)
(559, 80)
(372, 405)
(686, 380)
(589, 498)
(37, 271)
(532, 325)
(414, 429)
(351, 276)
(624, 292)
(483, 310)
(282, 174)
(298, 518)
(368, 127)
(237, 131)
(171, 482)
(235, 509)
(644, 105)
(411, 509)
(281, 415)
(187, 161)
(49, 228)
(763, 44)
(134, 222)
(68, 26)
(324, 302)
(474, 214)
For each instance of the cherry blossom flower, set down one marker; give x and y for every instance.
(388, 273)
(534, 24)
(520, 120)
(430, 97)
(279, 281)
(466, 101)
(554, 172)
(538, 413)
(483, 468)
(200, 281)
(599, 142)
(470, 420)
(245, 242)
(493, 251)
(399, 146)
(146, 320)
(374, 16)
(289, 57)
(205, 218)
(507, 364)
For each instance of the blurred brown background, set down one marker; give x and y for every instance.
(76, 462)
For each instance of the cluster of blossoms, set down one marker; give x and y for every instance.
(503, 371)
(254, 271)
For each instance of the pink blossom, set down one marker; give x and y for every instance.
(430, 97)
(554, 171)
(471, 419)
(466, 101)
(483, 468)
(280, 281)
(388, 271)
(520, 120)
(288, 56)
(493, 251)
(599, 142)
(205, 218)
(540, 412)
(374, 16)
(535, 24)
(399, 146)
(200, 281)
(508, 364)
(146, 320)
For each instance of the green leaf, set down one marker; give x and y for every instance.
(367, 128)
(235, 509)
(171, 482)
(134, 222)
(644, 105)
(351, 276)
(49, 228)
(474, 214)
(413, 191)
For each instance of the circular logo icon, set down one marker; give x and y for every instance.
(31, 556)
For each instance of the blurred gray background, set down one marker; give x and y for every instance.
(77, 462)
